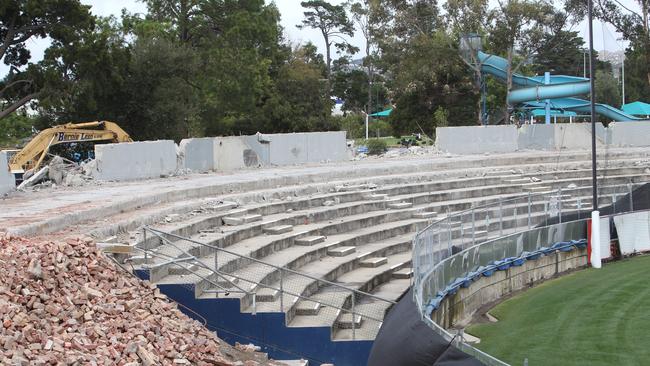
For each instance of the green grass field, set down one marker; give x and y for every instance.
(591, 317)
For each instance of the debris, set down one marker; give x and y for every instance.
(34, 179)
(69, 304)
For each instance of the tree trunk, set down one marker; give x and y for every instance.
(328, 71)
(17, 105)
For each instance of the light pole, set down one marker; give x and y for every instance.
(595, 215)
(622, 74)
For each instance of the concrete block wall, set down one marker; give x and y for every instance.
(477, 139)
(635, 134)
(198, 155)
(562, 136)
(231, 153)
(135, 160)
(299, 148)
(457, 310)
(7, 181)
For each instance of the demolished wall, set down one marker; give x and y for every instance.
(135, 160)
(477, 139)
(562, 136)
(7, 181)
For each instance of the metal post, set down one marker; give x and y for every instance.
(462, 231)
(579, 207)
(614, 202)
(500, 217)
(546, 213)
(449, 235)
(473, 228)
(146, 248)
(629, 187)
(353, 314)
(281, 291)
(529, 203)
(487, 223)
(592, 102)
(516, 225)
(559, 204)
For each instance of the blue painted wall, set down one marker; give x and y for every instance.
(267, 330)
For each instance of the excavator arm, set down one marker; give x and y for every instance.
(32, 155)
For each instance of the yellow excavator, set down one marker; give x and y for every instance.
(32, 155)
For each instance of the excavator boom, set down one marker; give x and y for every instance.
(31, 156)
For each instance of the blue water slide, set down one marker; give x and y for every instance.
(533, 92)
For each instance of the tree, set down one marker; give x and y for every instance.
(61, 20)
(333, 23)
(367, 15)
(518, 30)
(607, 88)
(466, 17)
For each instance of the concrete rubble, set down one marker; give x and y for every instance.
(66, 303)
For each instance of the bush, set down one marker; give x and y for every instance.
(376, 146)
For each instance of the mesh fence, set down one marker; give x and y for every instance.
(458, 244)
(263, 287)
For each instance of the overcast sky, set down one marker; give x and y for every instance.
(291, 12)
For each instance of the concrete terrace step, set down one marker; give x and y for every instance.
(280, 229)
(341, 251)
(310, 240)
(307, 307)
(266, 294)
(425, 215)
(239, 220)
(331, 268)
(404, 273)
(400, 205)
(373, 262)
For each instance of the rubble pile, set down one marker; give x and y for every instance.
(66, 303)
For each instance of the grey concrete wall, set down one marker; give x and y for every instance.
(327, 146)
(135, 160)
(7, 181)
(477, 139)
(457, 310)
(232, 152)
(536, 137)
(198, 155)
(577, 136)
(636, 134)
(298, 148)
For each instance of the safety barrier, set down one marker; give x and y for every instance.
(447, 255)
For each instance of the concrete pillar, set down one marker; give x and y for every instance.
(595, 240)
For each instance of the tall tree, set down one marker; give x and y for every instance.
(60, 20)
(334, 25)
(518, 30)
(464, 18)
(367, 15)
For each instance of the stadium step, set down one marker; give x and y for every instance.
(240, 220)
(341, 251)
(310, 240)
(307, 307)
(280, 229)
(373, 262)
(424, 215)
(404, 273)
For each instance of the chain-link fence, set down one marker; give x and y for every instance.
(499, 229)
(349, 309)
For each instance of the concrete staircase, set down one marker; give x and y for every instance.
(311, 259)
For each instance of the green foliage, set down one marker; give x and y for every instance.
(441, 117)
(607, 89)
(14, 129)
(61, 20)
(354, 124)
(333, 23)
(376, 146)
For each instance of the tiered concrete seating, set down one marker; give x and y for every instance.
(303, 254)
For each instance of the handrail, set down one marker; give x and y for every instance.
(270, 265)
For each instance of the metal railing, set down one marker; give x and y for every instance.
(265, 287)
(498, 229)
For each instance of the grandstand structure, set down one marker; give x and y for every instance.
(310, 270)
